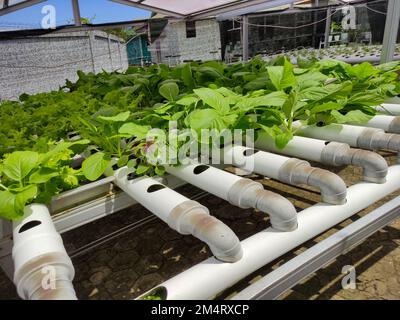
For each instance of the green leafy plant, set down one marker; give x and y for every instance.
(116, 140)
(28, 176)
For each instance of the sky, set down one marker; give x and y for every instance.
(99, 11)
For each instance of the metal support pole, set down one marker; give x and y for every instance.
(315, 18)
(110, 52)
(391, 30)
(328, 26)
(91, 47)
(77, 13)
(141, 51)
(245, 37)
(120, 55)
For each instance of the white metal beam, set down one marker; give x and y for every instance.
(246, 7)
(150, 8)
(15, 7)
(391, 30)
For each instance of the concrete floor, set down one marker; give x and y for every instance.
(131, 263)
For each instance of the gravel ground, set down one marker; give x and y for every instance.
(133, 262)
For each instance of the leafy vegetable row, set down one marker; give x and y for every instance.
(114, 112)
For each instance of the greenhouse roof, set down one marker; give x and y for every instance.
(171, 8)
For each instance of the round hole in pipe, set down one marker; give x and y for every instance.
(200, 169)
(159, 293)
(131, 176)
(327, 142)
(29, 225)
(250, 152)
(155, 187)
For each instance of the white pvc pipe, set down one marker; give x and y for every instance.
(389, 108)
(333, 132)
(265, 163)
(288, 170)
(215, 181)
(205, 280)
(355, 136)
(304, 148)
(43, 269)
(241, 192)
(384, 122)
(331, 153)
(181, 214)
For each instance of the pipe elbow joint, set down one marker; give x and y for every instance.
(332, 187)
(192, 218)
(283, 215)
(247, 193)
(375, 167)
(394, 126)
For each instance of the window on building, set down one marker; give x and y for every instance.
(190, 29)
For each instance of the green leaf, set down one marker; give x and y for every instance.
(282, 77)
(326, 107)
(122, 161)
(169, 91)
(213, 99)
(25, 196)
(9, 209)
(95, 166)
(187, 101)
(87, 124)
(43, 175)
(366, 99)
(121, 117)
(187, 76)
(202, 119)
(282, 139)
(362, 71)
(160, 171)
(142, 169)
(134, 130)
(12, 204)
(354, 116)
(19, 164)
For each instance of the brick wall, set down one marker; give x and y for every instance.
(43, 63)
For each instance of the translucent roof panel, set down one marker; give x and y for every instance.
(201, 8)
(186, 7)
(172, 8)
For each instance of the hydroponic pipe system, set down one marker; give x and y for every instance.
(211, 277)
(43, 269)
(241, 192)
(330, 153)
(287, 170)
(181, 214)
